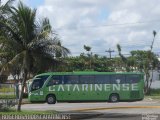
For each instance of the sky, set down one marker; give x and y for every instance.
(102, 24)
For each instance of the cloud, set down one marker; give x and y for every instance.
(80, 22)
(124, 16)
(3, 1)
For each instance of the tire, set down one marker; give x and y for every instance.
(114, 98)
(51, 99)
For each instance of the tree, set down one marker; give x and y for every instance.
(88, 49)
(142, 60)
(4, 56)
(151, 59)
(31, 41)
(4, 9)
(123, 58)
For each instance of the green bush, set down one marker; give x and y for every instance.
(6, 105)
(7, 90)
(25, 95)
(4, 96)
(155, 92)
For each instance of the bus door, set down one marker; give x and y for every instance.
(36, 90)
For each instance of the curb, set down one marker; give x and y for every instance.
(120, 107)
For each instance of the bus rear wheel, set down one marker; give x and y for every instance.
(114, 98)
(51, 99)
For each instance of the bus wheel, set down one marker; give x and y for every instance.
(114, 98)
(51, 99)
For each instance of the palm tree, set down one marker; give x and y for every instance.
(4, 12)
(31, 41)
(88, 49)
(5, 8)
(123, 58)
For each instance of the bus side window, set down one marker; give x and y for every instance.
(102, 79)
(54, 80)
(118, 79)
(86, 79)
(71, 79)
(132, 78)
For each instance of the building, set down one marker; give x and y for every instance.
(156, 79)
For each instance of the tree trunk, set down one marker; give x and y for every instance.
(22, 90)
(151, 80)
(147, 82)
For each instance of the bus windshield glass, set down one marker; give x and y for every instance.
(38, 82)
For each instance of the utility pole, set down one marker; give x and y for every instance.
(110, 52)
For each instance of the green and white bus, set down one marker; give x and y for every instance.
(86, 86)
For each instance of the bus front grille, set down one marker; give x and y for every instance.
(134, 94)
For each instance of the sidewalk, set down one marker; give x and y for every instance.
(149, 99)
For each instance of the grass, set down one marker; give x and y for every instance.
(153, 97)
(3, 96)
(7, 89)
(154, 94)
(26, 112)
(7, 93)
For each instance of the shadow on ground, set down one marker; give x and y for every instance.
(112, 116)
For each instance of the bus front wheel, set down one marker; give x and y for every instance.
(114, 98)
(51, 99)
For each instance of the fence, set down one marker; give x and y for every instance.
(7, 91)
(8, 96)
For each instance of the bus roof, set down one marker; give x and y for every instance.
(87, 73)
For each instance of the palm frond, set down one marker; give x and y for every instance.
(4, 9)
(8, 28)
(7, 66)
(17, 58)
(9, 43)
(4, 54)
(46, 26)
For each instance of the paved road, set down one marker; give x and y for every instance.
(104, 110)
(115, 116)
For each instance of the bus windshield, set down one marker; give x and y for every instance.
(38, 82)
